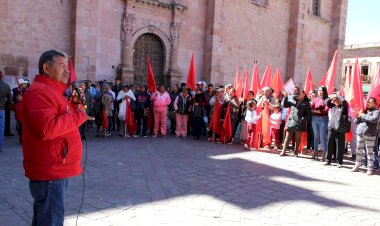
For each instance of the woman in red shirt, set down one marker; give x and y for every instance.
(319, 121)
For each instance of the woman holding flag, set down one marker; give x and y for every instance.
(126, 100)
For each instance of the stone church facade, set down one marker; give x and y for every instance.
(109, 38)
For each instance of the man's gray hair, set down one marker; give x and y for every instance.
(48, 57)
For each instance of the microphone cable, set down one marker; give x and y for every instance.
(83, 174)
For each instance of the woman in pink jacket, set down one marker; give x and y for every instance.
(161, 100)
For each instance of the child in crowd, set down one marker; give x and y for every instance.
(18, 116)
(251, 118)
(275, 124)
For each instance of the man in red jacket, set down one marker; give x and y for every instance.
(52, 146)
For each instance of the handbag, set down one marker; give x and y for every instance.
(344, 124)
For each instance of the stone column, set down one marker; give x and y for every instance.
(174, 73)
(127, 72)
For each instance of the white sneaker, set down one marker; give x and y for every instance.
(246, 146)
(356, 168)
(136, 135)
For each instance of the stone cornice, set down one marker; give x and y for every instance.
(157, 3)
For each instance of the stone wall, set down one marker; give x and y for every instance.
(314, 39)
(221, 33)
(96, 38)
(244, 32)
(192, 37)
(27, 29)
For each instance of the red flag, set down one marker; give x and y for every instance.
(323, 81)
(267, 78)
(374, 90)
(130, 119)
(276, 83)
(330, 75)
(236, 81)
(191, 76)
(303, 141)
(255, 82)
(150, 118)
(309, 84)
(151, 82)
(226, 134)
(356, 96)
(258, 135)
(73, 76)
(215, 125)
(246, 86)
(104, 118)
(239, 89)
(265, 115)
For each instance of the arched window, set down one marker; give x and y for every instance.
(316, 7)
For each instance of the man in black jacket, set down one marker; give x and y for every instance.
(5, 97)
(335, 138)
(297, 122)
(116, 89)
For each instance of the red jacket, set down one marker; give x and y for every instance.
(51, 143)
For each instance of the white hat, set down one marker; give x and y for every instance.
(22, 81)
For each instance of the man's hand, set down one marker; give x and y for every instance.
(75, 98)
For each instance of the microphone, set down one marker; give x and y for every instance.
(79, 92)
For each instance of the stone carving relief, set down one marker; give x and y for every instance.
(127, 26)
(174, 34)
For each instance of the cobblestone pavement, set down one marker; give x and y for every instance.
(174, 181)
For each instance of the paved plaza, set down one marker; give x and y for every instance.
(174, 181)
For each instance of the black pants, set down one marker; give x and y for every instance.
(172, 121)
(335, 142)
(282, 133)
(139, 115)
(7, 127)
(115, 118)
(310, 137)
(19, 131)
(198, 126)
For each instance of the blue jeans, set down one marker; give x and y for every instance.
(49, 202)
(320, 132)
(2, 125)
(376, 155)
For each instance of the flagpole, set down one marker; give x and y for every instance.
(125, 121)
(105, 133)
(125, 129)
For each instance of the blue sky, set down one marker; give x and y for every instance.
(363, 21)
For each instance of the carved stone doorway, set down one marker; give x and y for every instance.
(151, 45)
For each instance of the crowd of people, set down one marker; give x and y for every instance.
(54, 114)
(311, 122)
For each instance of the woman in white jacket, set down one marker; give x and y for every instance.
(124, 98)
